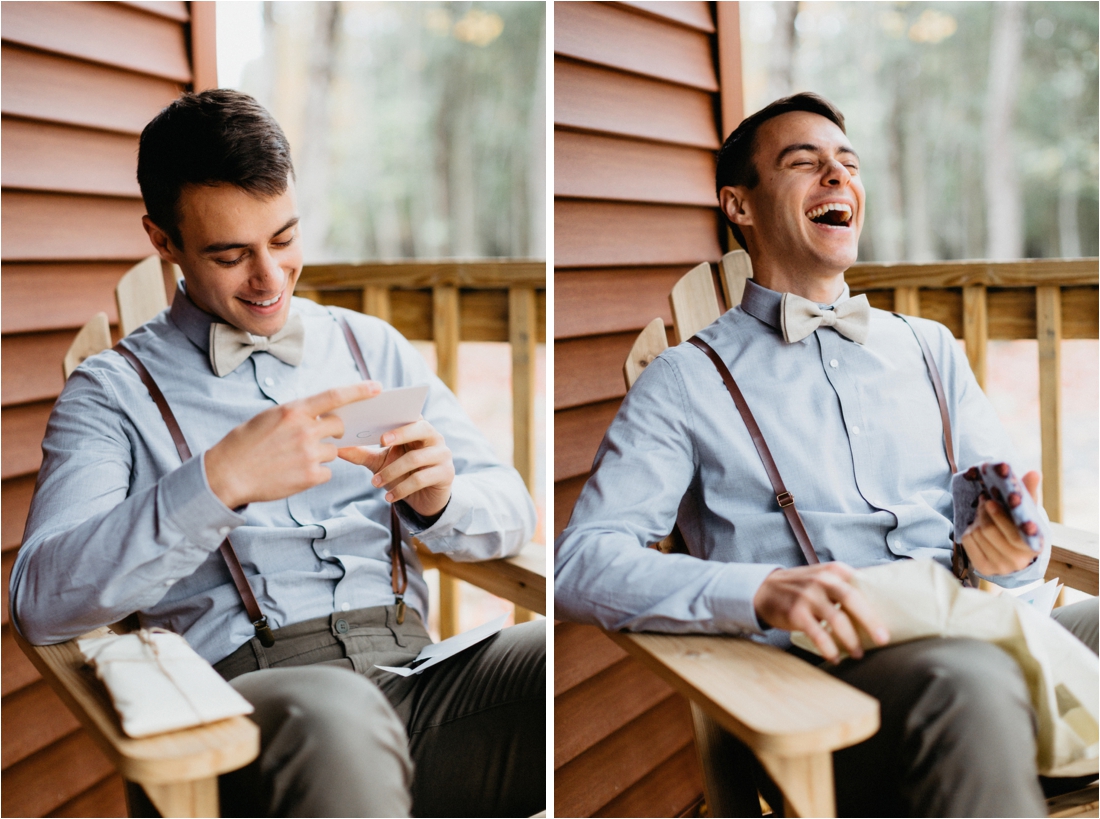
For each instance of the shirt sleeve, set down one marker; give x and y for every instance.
(981, 437)
(490, 513)
(603, 572)
(93, 551)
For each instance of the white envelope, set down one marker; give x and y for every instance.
(366, 421)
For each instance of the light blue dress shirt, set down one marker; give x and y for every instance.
(118, 525)
(856, 434)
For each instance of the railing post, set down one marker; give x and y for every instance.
(976, 329)
(376, 302)
(445, 334)
(1048, 326)
(521, 337)
(907, 301)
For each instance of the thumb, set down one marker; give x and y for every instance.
(363, 456)
(1032, 480)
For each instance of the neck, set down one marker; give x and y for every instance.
(818, 286)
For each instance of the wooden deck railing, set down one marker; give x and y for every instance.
(448, 303)
(1044, 299)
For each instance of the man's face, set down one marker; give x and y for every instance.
(241, 254)
(807, 211)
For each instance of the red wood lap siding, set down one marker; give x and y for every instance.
(638, 91)
(80, 80)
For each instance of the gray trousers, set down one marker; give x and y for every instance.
(465, 738)
(957, 735)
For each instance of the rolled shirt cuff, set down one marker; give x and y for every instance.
(731, 602)
(192, 507)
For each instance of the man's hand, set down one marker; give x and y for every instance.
(281, 451)
(993, 543)
(415, 467)
(819, 601)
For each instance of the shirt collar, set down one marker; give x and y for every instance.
(766, 305)
(191, 321)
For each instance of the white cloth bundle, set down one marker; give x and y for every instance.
(158, 683)
(919, 598)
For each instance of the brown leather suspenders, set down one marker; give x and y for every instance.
(784, 498)
(398, 572)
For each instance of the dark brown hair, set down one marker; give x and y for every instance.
(215, 137)
(735, 165)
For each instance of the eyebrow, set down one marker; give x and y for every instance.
(807, 146)
(219, 247)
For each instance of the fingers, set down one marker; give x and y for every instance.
(413, 460)
(418, 431)
(425, 478)
(1032, 480)
(329, 400)
(856, 605)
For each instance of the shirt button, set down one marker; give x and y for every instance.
(345, 606)
(326, 553)
(224, 531)
(834, 363)
(342, 625)
(168, 584)
(855, 430)
(269, 382)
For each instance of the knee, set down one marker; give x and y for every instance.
(975, 679)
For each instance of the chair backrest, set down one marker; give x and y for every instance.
(693, 299)
(140, 294)
(94, 337)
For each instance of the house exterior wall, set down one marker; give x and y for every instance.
(80, 80)
(644, 94)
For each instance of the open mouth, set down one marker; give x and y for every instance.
(268, 303)
(831, 214)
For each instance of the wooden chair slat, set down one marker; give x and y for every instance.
(735, 270)
(1048, 326)
(140, 294)
(93, 338)
(694, 302)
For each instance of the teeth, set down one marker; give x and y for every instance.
(821, 210)
(265, 303)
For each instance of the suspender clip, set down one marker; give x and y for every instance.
(399, 601)
(784, 499)
(263, 631)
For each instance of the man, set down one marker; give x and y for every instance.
(118, 525)
(848, 410)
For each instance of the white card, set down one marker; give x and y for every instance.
(366, 421)
(438, 652)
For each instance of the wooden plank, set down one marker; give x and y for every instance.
(729, 66)
(520, 579)
(694, 302)
(602, 234)
(976, 329)
(670, 789)
(15, 500)
(588, 370)
(17, 669)
(51, 226)
(598, 99)
(488, 273)
(594, 778)
(107, 33)
(779, 704)
(522, 339)
(590, 712)
(46, 157)
(33, 718)
(203, 43)
(1073, 558)
(944, 306)
(1080, 312)
(580, 653)
(106, 798)
(412, 313)
(1022, 273)
(23, 429)
(692, 14)
(32, 366)
(172, 9)
(93, 339)
(907, 301)
(47, 87)
(1048, 319)
(591, 166)
(445, 333)
(566, 493)
(641, 44)
(77, 292)
(483, 315)
(376, 301)
(53, 776)
(590, 302)
(577, 436)
(140, 294)
(652, 341)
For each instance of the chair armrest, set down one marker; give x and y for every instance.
(772, 701)
(520, 579)
(178, 756)
(1073, 558)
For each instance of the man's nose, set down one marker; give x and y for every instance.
(836, 175)
(267, 274)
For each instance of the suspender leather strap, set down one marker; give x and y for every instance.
(784, 498)
(251, 605)
(399, 576)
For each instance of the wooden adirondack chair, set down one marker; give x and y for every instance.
(789, 714)
(177, 773)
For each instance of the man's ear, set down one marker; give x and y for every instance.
(165, 247)
(734, 203)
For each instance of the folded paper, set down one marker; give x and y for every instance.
(919, 599)
(158, 683)
(438, 652)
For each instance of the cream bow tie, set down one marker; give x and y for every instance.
(800, 317)
(229, 347)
